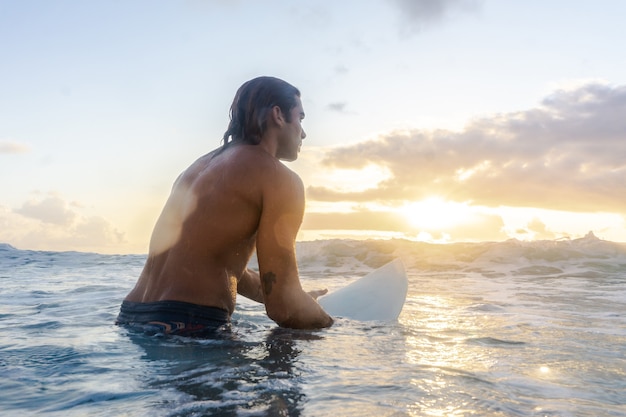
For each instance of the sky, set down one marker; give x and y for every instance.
(439, 121)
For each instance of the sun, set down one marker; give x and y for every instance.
(435, 213)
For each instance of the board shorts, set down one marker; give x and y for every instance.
(173, 318)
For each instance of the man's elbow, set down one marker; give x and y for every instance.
(279, 315)
(286, 319)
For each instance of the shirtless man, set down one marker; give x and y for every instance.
(227, 203)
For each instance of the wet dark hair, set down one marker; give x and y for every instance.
(251, 105)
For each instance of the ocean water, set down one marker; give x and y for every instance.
(488, 329)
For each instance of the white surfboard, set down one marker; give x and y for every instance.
(379, 295)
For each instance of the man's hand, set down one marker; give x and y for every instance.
(317, 293)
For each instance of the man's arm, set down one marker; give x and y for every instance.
(249, 286)
(285, 301)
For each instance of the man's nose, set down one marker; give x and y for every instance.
(303, 134)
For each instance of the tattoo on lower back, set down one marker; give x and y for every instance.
(269, 278)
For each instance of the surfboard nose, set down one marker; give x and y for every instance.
(379, 295)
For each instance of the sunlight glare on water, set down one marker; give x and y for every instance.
(502, 329)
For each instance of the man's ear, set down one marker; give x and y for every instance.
(277, 116)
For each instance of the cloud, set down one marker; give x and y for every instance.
(51, 223)
(96, 231)
(536, 229)
(339, 107)
(482, 226)
(540, 229)
(341, 70)
(49, 210)
(416, 14)
(7, 146)
(356, 220)
(565, 154)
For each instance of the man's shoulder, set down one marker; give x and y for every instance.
(255, 160)
(243, 163)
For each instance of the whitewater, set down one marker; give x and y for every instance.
(488, 329)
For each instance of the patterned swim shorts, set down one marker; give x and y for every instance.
(173, 318)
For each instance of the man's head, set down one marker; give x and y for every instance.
(252, 105)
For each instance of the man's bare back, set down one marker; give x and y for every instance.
(224, 206)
